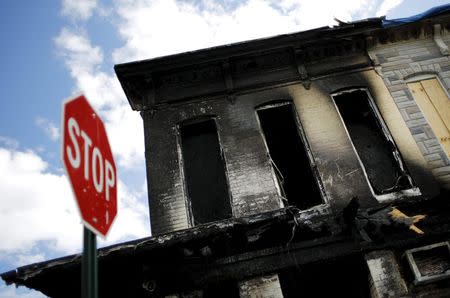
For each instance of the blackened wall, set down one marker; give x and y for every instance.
(250, 176)
(252, 183)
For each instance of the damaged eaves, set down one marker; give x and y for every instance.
(228, 70)
(231, 249)
(154, 82)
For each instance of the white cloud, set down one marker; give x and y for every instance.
(126, 135)
(26, 259)
(163, 27)
(37, 203)
(22, 292)
(387, 5)
(79, 55)
(78, 9)
(38, 206)
(49, 128)
(8, 142)
(104, 92)
(317, 13)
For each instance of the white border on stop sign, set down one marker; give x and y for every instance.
(86, 224)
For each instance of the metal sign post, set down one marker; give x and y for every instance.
(89, 266)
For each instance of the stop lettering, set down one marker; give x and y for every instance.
(89, 164)
(93, 164)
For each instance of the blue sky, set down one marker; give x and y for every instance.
(54, 49)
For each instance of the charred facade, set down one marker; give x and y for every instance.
(275, 163)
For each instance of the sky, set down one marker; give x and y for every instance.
(54, 49)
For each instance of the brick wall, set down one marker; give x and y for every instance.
(402, 61)
(385, 279)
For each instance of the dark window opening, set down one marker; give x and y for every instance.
(205, 172)
(377, 152)
(327, 279)
(289, 157)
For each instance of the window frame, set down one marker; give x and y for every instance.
(386, 197)
(303, 139)
(187, 199)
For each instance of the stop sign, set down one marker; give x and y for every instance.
(89, 164)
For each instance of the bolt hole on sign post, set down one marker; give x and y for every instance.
(89, 164)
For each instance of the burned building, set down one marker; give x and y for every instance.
(311, 164)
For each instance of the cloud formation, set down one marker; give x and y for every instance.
(36, 202)
(50, 128)
(104, 92)
(41, 208)
(386, 6)
(8, 142)
(79, 55)
(79, 9)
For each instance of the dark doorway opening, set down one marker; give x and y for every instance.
(327, 279)
(204, 170)
(377, 151)
(290, 160)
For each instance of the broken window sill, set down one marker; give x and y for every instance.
(397, 195)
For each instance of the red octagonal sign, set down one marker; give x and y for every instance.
(89, 164)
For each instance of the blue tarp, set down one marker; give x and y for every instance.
(429, 13)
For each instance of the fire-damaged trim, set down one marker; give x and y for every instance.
(388, 196)
(187, 202)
